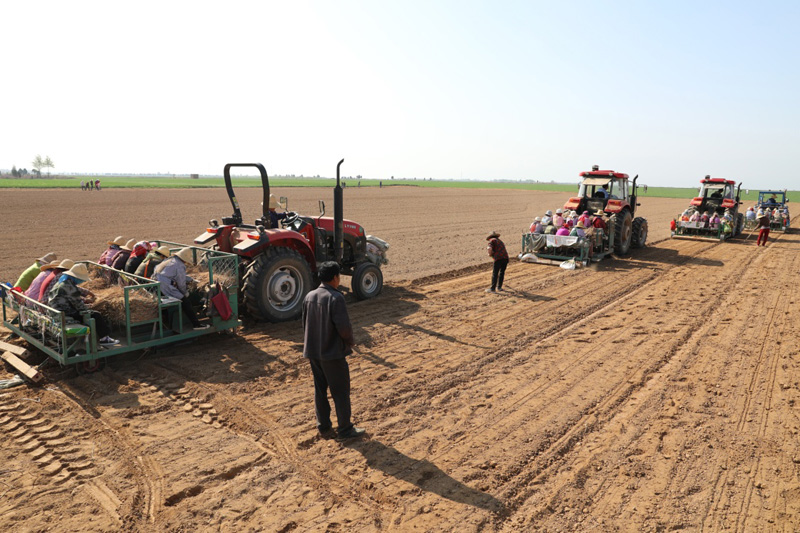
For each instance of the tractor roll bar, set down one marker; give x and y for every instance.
(237, 213)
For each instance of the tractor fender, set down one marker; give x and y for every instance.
(257, 243)
(728, 203)
(573, 203)
(615, 206)
(696, 202)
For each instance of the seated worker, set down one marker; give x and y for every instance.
(65, 297)
(138, 254)
(536, 226)
(751, 214)
(714, 221)
(717, 194)
(585, 219)
(577, 231)
(122, 256)
(598, 221)
(147, 268)
(274, 216)
(171, 275)
(695, 217)
(558, 219)
(704, 219)
(36, 285)
(602, 192)
(113, 248)
(30, 273)
(563, 230)
(547, 219)
(52, 278)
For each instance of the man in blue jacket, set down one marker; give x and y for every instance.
(327, 341)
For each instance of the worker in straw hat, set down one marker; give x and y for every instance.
(113, 248)
(52, 277)
(30, 273)
(497, 251)
(66, 297)
(171, 275)
(274, 216)
(147, 268)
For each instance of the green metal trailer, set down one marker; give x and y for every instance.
(553, 249)
(162, 322)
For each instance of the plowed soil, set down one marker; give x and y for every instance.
(654, 393)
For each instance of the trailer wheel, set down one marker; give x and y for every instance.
(639, 228)
(624, 233)
(89, 367)
(367, 281)
(275, 284)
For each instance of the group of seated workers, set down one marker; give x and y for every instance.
(570, 223)
(710, 220)
(57, 285)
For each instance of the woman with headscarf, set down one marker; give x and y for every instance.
(138, 254)
(111, 251)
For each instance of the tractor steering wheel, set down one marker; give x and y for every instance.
(290, 219)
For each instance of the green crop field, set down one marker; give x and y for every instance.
(136, 182)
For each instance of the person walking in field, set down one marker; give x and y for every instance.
(497, 251)
(763, 224)
(327, 341)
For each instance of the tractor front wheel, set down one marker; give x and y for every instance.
(624, 230)
(275, 284)
(367, 281)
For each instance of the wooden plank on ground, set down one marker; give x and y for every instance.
(30, 372)
(13, 348)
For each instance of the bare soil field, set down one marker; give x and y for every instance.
(654, 393)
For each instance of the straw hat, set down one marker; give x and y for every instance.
(580, 224)
(163, 250)
(548, 213)
(537, 219)
(492, 235)
(184, 254)
(129, 245)
(49, 266)
(559, 211)
(47, 258)
(599, 213)
(66, 264)
(78, 271)
(119, 241)
(274, 203)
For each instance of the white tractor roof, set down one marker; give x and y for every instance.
(596, 181)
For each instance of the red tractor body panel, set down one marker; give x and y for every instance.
(603, 174)
(615, 206)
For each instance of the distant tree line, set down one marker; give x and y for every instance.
(38, 164)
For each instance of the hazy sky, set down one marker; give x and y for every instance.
(445, 89)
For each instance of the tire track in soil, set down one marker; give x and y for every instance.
(231, 412)
(582, 464)
(542, 463)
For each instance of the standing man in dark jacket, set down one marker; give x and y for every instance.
(497, 251)
(327, 341)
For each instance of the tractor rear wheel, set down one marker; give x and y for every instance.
(639, 228)
(739, 223)
(275, 284)
(624, 233)
(367, 281)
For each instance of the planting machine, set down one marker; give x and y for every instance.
(606, 191)
(775, 203)
(279, 264)
(716, 196)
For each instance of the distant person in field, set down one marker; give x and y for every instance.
(83, 185)
(327, 341)
(497, 251)
(90, 185)
(26, 278)
(97, 184)
(763, 224)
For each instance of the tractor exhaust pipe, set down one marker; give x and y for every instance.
(338, 217)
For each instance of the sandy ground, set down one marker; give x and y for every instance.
(657, 393)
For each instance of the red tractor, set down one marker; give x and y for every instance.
(279, 264)
(611, 192)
